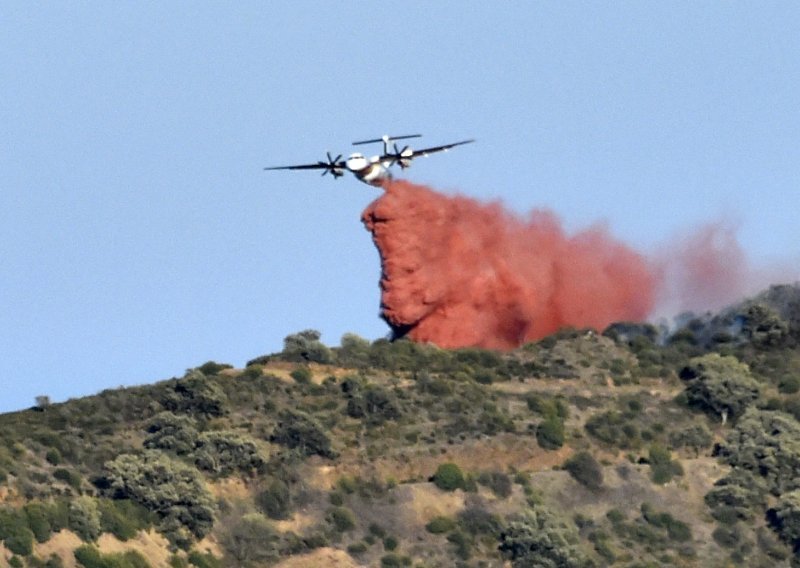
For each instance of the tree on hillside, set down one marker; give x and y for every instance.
(538, 539)
(197, 394)
(740, 493)
(720, 385)
(170, 431)
(298, 430)
(172, 490)
(354, 351)
(763, 326)
(305, 347)
(223, 452)
(766, 444)
(785, 517)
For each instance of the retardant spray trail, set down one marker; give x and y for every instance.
(456, 272)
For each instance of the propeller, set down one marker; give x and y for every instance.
(332, 166)
(402, 157)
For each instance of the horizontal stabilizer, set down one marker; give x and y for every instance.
(387, 139)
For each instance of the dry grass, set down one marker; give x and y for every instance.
(151, 545)
(427, 502)
(320, 558)
(61, 544)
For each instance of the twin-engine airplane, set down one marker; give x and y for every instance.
(374, 170)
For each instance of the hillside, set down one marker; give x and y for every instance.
(634, 447)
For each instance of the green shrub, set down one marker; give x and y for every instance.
(390, 543)
(374, 403)
(485, 377)
(225, 452)
(462, 543)
(357, 548)
(448, 477)
(53, 456)
(550, 433)
(603, 547)
(785, 518)
(613, 428)
(15, 533)
(84, 518)
(585, 470)
(440, 525)
(789, 384)
(301, 375)
(250, 539)
(176, 561)
(276, 500)
(213, 368)
(203, 560)
(342, 519)
(697, 437)
(547, 406)
(298, 430)
(38, 519)
(393, 560)
(476, 520)
(615, 516)
(498, 482)
(69, 477)
(123, 518)
(662, 467)
(727, 536)
(676, 530)
(89, 557)
(58, 514)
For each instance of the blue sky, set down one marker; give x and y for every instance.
(139, 235)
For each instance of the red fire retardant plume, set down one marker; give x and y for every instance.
(456, 272)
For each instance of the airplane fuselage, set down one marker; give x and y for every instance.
(369, 170)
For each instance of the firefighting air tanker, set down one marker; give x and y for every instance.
(374, 170)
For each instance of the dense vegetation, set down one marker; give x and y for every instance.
(636, 447)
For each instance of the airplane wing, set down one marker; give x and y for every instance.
(335, 166)
(445, 148)
(317, 166)
(404, 156)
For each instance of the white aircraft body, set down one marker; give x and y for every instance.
(374, 170)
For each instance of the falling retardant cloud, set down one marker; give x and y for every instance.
(457, 272)
(705, 269)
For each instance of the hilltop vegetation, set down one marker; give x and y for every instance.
(634, 447)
